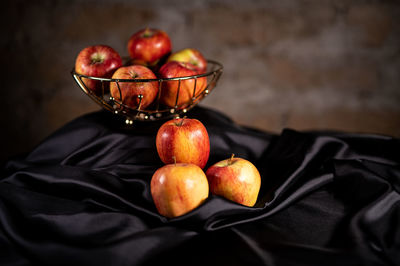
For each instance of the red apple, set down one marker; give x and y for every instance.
(148, 46)
(188, 88)
(235, 179)
(184, 139)
(128, 92)
(178, 188)
(192, 56)
(97, 61)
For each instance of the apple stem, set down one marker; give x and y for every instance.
(230, 159)
(147, 33)
(174, 158)
(97, 58)
(180, 124)
(133, 74)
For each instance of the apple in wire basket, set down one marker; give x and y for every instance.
(236, 179)
(149, 46)
(129, 92)
(178, 188)
(192, 56)
(179, 93)
(97, 61)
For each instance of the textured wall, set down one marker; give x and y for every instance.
(314, 64)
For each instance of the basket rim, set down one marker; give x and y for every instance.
(218, 69)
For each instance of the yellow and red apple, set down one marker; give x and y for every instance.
(128, 92)
(178, 188)
(192, 56)
(236, 179)
(184, 139)
(187, 88)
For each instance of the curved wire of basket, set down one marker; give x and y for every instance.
(157, 111)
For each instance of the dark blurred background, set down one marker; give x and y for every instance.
(316, 64)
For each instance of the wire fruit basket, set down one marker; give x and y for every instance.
(157, 110)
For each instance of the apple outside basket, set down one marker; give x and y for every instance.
(157, 110)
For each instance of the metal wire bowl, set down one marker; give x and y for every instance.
(157, 110)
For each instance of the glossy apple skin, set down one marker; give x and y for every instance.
(178, 188)
(131, 90)
(185, 139)
(148, 46)
(169, 90)
(97, 61)
(192, 56)
(237, 180)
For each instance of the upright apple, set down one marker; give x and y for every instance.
(128, 92)
(192, 56)
(178, 188)
(235, 179)
(188, 88)
(148, 46)
(184, 139)
(97, 61)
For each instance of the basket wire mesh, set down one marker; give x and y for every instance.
(157, 110)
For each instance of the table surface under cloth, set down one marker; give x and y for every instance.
(82, 197)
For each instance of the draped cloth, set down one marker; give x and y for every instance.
(82, 197)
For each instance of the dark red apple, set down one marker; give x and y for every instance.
(184, 139)
(192, 56)
(188, 88)
(236, 179)
(178, 188)
(97, 61)
(128, 92)
(149, 46)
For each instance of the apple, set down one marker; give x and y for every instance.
(97, 61)
(128, 92)
(184, 140)
(192, 56)
(178, 188)
(235, 179)
(187, 91)
(149, 46)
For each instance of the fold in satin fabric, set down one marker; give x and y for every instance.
(82, 197)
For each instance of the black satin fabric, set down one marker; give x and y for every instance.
(82, 197)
